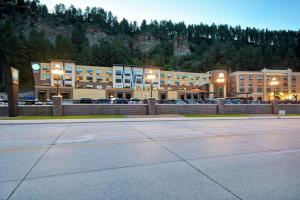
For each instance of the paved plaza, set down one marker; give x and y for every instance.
(158, 160)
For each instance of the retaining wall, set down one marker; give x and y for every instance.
(98, 109)
(144, 109)
(186, 109)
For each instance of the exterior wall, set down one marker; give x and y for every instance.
(186, 109)
(172, 95)
(144, 94)
(89, 93)
(94, 109)
(184, 78)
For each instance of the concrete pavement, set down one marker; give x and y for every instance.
(151, 159)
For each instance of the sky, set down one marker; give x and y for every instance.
(271, 14)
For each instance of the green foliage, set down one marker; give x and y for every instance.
(212, 46)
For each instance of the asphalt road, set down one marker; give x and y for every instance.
(208, 159)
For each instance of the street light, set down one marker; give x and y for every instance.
(151, 77)
(57, 72)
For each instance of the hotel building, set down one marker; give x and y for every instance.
(128, 81)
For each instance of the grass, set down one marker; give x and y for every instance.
(65, 117)
(216, 115)
(293, 115)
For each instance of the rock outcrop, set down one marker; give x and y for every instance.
(181, 46)
(144, 43)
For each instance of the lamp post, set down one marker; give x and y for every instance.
(57, 72)
(274, 82)
(151, 77)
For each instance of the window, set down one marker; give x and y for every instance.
(162, 82)
(162, 75)
(268, 89)
(293, 84)
(285, 78)
(45, 67)
(118, 80)
(268, 78)
(169, 82)
(89, 78)
(119, 72)
(45, 76)
(127, 72)
(108, 72)
(127, 81)
(250, 77)
(241, 77)
(89, 86)
(293, 78)
(99, 87)
(250, 84)
(89, 70)
(98, 72)
(177, 82)
(242, 89)
(68, 78)
(78, 70)
(294, 91)
(250, 89)
(259, 77)
(259, 90)
(99, 79)
(204, 78)
(139, 81)
(79, 78)
(68, 69)
(241, 84)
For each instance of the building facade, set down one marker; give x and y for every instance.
(265, 84)
(140, 82)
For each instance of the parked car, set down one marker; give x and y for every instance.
(85, 101)
(134, 101)
(190, 101)
(210, 101)
(103, 101)
(178, 101)
(163, 101)
(121, 101)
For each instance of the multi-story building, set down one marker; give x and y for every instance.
(125, 81)
(265, 84)
(119, 81)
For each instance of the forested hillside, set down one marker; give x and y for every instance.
(29, 32)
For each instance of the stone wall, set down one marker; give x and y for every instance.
(186, 109)
(248, 109)
(144, 109)
(98, 109)
(29, 110)
(290, 108)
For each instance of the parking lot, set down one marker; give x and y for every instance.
(184, 159)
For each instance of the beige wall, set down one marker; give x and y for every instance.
(89, 93)
(144, 94)
(172, 95)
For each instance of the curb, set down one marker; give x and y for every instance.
(66, 121)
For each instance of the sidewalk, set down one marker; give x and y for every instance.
(143, 118)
